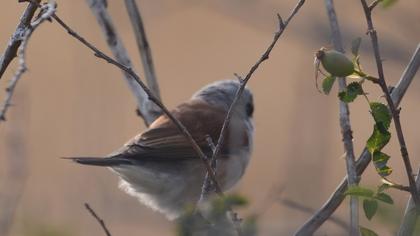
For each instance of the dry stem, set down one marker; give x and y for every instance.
(97, 218)
(345, 125)
(394, 111)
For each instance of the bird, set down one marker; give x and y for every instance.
(159, 166)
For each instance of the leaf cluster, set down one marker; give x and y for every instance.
(371, 201)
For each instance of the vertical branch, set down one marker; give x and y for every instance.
(346, 131)
(411, 215)
(14, 181)
(394, 111)
(146, 108)
(16, 39)
(336, 198)
(143, 46)
(208, 186)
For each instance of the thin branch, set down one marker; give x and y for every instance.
(337, 197)
(12, 47)
(208, 186)
(47, 11)
(300, 207)
(97, 218)
(411, 215)
(394, 111)
(10, 90)
(146, 108)
(143, 46)
(243, 82)
(345, 125)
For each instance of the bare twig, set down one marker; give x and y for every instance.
(394, 111)
(143, 46)
(300, 207)
(411, 215)
(244, 81)
(16, 39)
(48, 10)
(97, 218)
(338, 196)
(146, 107)
(345, 125)
(208, 186)
(10, 90)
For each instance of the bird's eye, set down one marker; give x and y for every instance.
(249, 109)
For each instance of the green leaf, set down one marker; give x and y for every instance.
(384, 171)
(388, 3)
(327, 84)
(380, 157)
(384, 198)
(355, 45)
(379, 160)
(380, 113)
(370, 206)
(359, 191)
(378, 139)
(367, 232)
(351, 92)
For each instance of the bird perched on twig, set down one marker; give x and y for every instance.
(160, 167)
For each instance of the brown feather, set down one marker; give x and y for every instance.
(163, 140)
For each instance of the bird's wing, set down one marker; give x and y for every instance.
(164, 141)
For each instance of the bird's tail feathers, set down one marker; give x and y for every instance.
(100, 161)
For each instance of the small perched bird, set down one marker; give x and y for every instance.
(160, 167)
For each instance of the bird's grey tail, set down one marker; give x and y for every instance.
(100, 161)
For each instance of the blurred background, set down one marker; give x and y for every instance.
(71, 103)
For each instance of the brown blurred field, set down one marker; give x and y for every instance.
(70, 103)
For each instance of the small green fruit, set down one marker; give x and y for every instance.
(336, 63)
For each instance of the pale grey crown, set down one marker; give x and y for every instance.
(222, 93)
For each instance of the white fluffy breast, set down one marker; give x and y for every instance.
(159, 191)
